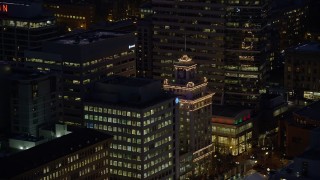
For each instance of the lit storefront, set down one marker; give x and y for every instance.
(232, 131)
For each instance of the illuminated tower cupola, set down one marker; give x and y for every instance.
(185, 69)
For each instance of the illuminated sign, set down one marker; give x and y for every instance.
(132, 46)
(3, 8)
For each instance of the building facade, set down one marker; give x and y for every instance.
(76, 15)
(32, 100)
(195, 28)
(288, 22)
(295, 133)
(82, 154)
(195, 107)
(24, 25)
(247, 51)
(144, 42)
(232, 130)
(144, 126)
(82, 59)
(302, 72)
(228, 39)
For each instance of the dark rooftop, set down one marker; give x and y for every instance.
(311, 111)
(87, 37)
(124, 81)
(23, 161)
(309, 47)
(227, 111)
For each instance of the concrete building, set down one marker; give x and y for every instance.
(228, 39)
(302, 72)
(82, 154)
(232, 129)
(24, 25)
(195, 107)
(82, 59)
(31, 100)
(144, 126)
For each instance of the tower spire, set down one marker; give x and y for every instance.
(185, 43)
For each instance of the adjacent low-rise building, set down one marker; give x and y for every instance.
(81, 154)
(295, 132)
(232, 129)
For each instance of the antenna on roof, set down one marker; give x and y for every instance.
(185, 43)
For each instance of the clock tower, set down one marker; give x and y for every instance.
(195, 108)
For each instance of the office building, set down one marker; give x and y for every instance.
(232, 129)
(144, 42)
(227, 39)
(143, 125)
(195, 108)
(302, 72)
(82, 154)
(24, 25)
(31, 100)
(72, 14)
(82, 59)
(288, 22)
(195, 28)
(247, 51)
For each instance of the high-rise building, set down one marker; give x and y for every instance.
(247, 51)
(82, 154)
(142, 118)
(82, 59)
(24, 25)
(195, 108)
(226, 38)
(195, 28)
(288, 21)
(144, 42)
(31, 100)
(301, 72)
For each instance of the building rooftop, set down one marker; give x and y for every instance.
(34, 157)
(124, 81)
(127, 92)
(227, 111)
(309, 47)
(84, 46)
(87, 37)
(311, 111)
(24, 137)
(7, 72)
